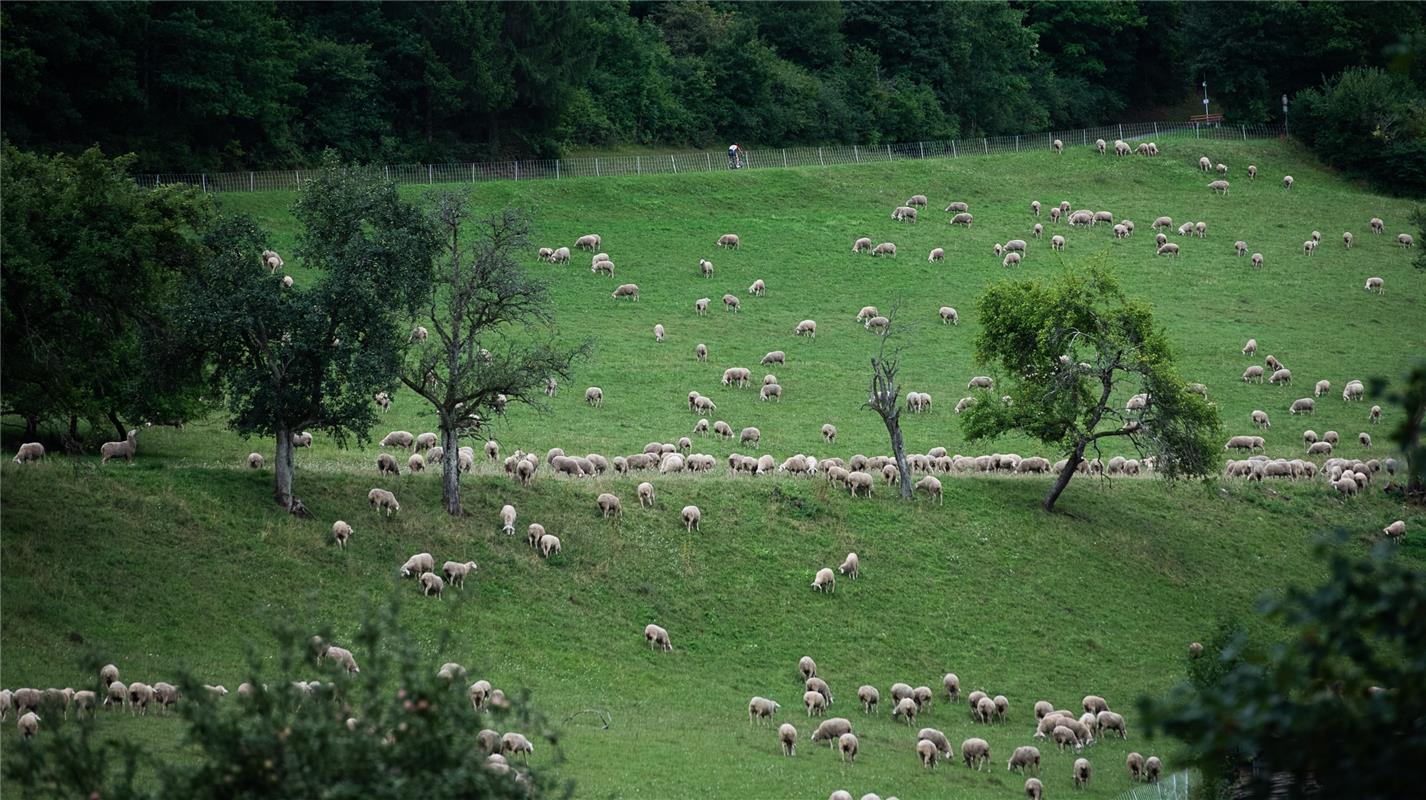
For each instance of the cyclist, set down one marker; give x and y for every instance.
(735, 156)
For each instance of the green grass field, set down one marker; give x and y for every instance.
(183, 559)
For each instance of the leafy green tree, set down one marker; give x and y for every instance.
(884, 396)
(1070, 350)
(1410, 395)
(1337, 705)
(1368, 122)
(92, 268)
(373, 735)
(490, 339)
(313, 355)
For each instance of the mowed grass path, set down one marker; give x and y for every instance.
(182, 557)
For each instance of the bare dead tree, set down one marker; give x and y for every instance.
(884, 395)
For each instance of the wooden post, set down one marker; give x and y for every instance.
(638, 165)
(596, 166)
(820, 162)
(557, 169)
(252, 182)
(430, 174)
(985, 142)
(856, 155)
(784, 158)
(517, 170)
(922, 145)
(954, 154)
(674, 163)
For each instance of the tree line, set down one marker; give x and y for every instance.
(210, 86)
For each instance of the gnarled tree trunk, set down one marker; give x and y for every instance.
(1064, 477)
(450, 472)
(282, 468)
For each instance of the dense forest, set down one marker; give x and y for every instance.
(190, 86)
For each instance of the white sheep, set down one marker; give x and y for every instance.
(1057, 243)
(630, 290)
(1287, 181)
(507, 519)
(862, 245)
(124, 449)
(432, 584)
(34, 451)
(383, 500)
(610, 506)
(1374, 284)
(730, 240)
(29, 725)
(1395, 530)
(1405, 240)
(341, 532)
(416, 463)
(657, 637)
(549, 545)
(975, 752)
(692, 518)
(884, 249)
(455, 572)
(937, 254)
(1082, 772)
(825, 580)
(594, 396)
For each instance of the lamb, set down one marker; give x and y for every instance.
(1303, 405)
(507, 519)
(1222, 169)
(692, 517)
(382, 500)
(884, 249)
(825, 580)
(705, 267)
(869, 697)
(1169, 248)
(906, 709)
(34, 451)
(432, 584)
(1287, 181)
(731, 303)
(862, 245)
(701, 305)
(1204, 164)
(1365, 439)
(657, 637)
(455, 572)
(806, 667)
(1100, 145)
(932, 487)
(1347, 239)
(878, 323)
(1122, 148)
(1395, 531)
(124, 449)
(516, 743)
(1081, 773)
(976, 752)
(609, 505)
(937, 254)
(787, 736)
(831, 730)
(1375, 415)
(1374, 284)
(927, 753)
(29, 725)
(729, 240)
(1153, 768)
(1024, 758)
(594, 396)
(963, 218)
(630, 290)
(1309, 246)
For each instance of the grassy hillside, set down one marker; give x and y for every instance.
(182, 558)
(152, 566)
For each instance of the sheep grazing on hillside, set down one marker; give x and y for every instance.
(341, 532)
(34, 451)
(937, 254)
(432, 585)
(825, 580)
(594, 396)
(862, 245)
(1374, 284)
(1287, 181)
(657, 638)
(730, 240)
(382, 500)
(1034, 790)
(1377, 225)
(1405, 240)
(1395, 531)
(124, 449)
(629, 290)
(975, 753)
(705, 268)
(692, 518)
(1082, 771)
(1219, 187)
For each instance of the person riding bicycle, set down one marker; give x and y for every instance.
(735, 156)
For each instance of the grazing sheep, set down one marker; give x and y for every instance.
(34, 451)
(594, 396)
(932, 487)
(877, 323)
(1405, 240)
(1375, 415)
(1354, 390)
(692, 517)
(982, 710)
(516, 743)
(963, 218)
(815, 703)
(124, 449)
(1374, 285)
(869, 697)
(1222, 169)
(975, 753)
(1319, 449)
(831, 730)
(29, 725)
(588, 242)
(1108, 720)
(906, 709)
(957, 206)
(1011, 259)
(386, 465)
(862, 245)
(382, 500)
(1064, 735)
(701, 305)
(1377, 225)
(1122, 148)
(829, 433)
(549, 545)
(1396, 530)
(1081, 773)
(750, 435)
(272, 260)
(560, 256)
(1260, 419)
(1287, 181)
(1205, 164)
(851, 566)
(1253, 373)
(432, 584)
(949, 316)
(455, 572)
(1303, 405)
(904, 213)
(1100, 145)
(787, 736)
(731, 303)
(952, 684)
(1200, 229)
(630, 290)
(774, 357)
(1169, 248)
(926, 751)
(255, 460)
(1153, 768)
(1281, 375)
(657, 637)
(884, 249)
(1034, 790)
(341, 532)
(1024, 758)
(825, 580)
(609, 505)
(918, 200)
(1347, 239)
(1219, 187)
(1365, 439)
(729, 240)
(1057, 243)
(1135, 764)
(1330, 437)
(847, 743)
(937, 254)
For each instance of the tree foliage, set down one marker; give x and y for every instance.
(1068, 352)
(490, 339)
(92, 268)
(1338, 704)
(1369, 123)
(205, 86)
(374, 735)
(311, 356)
(883, 397)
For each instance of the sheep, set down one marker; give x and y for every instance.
(851, 566)
(1153, 768)
(729, 240)
(859, 481)
(1374, 284)
(516, 743)
(732, 303)
(1405, 240)
(1081, 773)
(507, 519)
(1377, 225)
(1081, 218)
(1222, 169)
(1108, 720)
(594, 396)
(1253, 373)
(1169, 248)
(1365, 439)
(1034, 790)
(1102, 216)
(1287, 181)
(884, 249)
(455, 572)
(1120, 232)
(761, 708)
(1204, 164)
(957, 207)
(418, 564)
(705, 267)
(382, 500)
(34, 451)
(657, 637)
(831, 730)
(1347, 239)
(1395, 531)
(905, 709)
(750, 435)
(609, 505)
(774, 357)
(806, 667)
(904, 213)
(829, 433)
(1185, 229)
(124, 449)
(723, 429)
(140, 695)
(1024, 758)
(867, 313)
(386, 465)
(786, 736)
(963, 218)
(932, 487)
(1330, 437)
(1057, 243)
(1354, 390)
(847, 743)
(116, 694)
(1260, 419)
(917, 200)
(560, 256)
(937, 254)
(1281, 375)
(862, 245)
(29, 725)
(432, 584)
(877, 323)
(1319, 449)
(815, 703)
(1122, 148)
(1303, 405)
(975, 753)
(1100, 145)
(825, 580)
(1375, 415)
(630, 290)
(869, 697)
(1308, 247)
(692, 517)
(272, 260)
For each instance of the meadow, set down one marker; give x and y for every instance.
(183, 559)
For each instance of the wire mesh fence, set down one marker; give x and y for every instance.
(709, 161)
(1171, 787)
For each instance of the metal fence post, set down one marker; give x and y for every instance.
(1083, 136)
(1017, 144)
(856, 155)
(1156, 129)
(1244, 130)
(205, 183)
(1195, 130)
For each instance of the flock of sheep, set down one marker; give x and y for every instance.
(1067, 730)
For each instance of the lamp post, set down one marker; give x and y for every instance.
(1284, 116)
(1205, 99)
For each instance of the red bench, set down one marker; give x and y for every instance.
(1206, 118)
